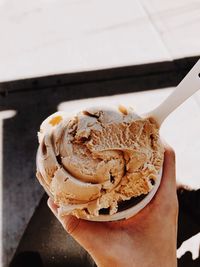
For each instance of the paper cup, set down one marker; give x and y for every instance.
(128, 210)
(131, 211)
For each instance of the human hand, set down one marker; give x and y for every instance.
(147, 239)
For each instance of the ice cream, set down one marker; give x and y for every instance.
(94, 160)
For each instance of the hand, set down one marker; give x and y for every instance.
(148, 239)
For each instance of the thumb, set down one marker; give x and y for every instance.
(168, 181)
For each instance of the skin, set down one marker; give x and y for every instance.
(148, 239)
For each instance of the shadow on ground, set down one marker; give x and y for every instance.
(45, 243)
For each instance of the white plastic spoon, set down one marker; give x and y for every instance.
(186, 88)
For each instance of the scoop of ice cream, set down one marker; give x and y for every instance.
(97, 158)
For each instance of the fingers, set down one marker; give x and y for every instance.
(53, 207)
(70, 223)
(85, 232)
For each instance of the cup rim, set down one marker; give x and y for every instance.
(127, 213)
(121, 215)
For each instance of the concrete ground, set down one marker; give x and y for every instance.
(44, 37)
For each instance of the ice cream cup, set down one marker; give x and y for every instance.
(130, 211)
(126, 209)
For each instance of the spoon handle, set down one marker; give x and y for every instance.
(186, 88)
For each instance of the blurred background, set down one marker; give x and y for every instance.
(67, 54)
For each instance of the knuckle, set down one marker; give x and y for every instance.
(170, 151)
(70, 223)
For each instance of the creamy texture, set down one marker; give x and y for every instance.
(97, 158)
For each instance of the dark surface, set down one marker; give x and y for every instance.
(46, 244)
(34, 100)
(188, 223)
(189, 214)
(187, 261)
